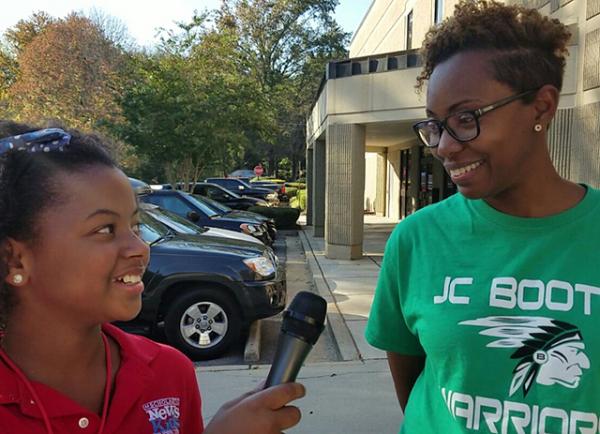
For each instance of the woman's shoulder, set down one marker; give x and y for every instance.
(447, 210)
(426, 224)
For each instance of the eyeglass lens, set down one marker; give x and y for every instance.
(462, 126)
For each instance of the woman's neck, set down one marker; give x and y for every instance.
(540, 192)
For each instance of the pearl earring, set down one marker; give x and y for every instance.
(537, 128)
(17, 278)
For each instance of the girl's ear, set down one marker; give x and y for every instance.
(17, 257)
(546, 104)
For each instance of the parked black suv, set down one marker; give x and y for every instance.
(181, 225)
(205, 289)
(245, 189)
(225, 211)
(186, 205)
(227, 197)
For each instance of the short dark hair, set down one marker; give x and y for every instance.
(528, 49)
(28, 187)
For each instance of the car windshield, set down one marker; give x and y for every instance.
(217, 206)
(202, 206)
(231, 193)
(245, 184)
(175, 222)
(151, 230)
(216, 184)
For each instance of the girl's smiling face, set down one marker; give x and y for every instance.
(87, 261)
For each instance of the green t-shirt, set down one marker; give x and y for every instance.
(506, 311)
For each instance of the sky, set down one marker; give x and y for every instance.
(143, 17)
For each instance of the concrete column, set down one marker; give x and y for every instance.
(319, 183)
(344, 213)
(381, 195)
(309, 186)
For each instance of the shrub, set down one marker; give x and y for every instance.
(291, 192)
(285, 218)
(299, 201)
(298, 185)
(268, 179)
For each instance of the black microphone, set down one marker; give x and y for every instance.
(303, 322)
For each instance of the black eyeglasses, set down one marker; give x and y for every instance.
(462, 126)
(46, 140)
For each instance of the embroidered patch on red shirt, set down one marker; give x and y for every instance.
(163, 414)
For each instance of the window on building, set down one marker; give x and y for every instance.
(438, 11)
(409, 30)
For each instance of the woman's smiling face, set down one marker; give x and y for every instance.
(87, 260)
(501, 157)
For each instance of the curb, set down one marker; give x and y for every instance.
(342, 336)
(252, 348)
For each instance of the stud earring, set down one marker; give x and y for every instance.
(537, 128)
(17, 279)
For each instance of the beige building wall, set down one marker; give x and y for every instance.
(574, 134)
(383, 29)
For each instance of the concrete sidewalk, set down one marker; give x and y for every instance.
(353, 396)
(349, 285)
(341, 397)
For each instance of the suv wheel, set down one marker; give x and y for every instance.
(203, 323)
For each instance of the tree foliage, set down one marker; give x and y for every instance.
(230, 88)
(190, 104)
(13, 42)
(287, 44)
(69, 72)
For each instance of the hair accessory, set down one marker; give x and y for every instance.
(17, 278)
(537, 128)
(46, 140)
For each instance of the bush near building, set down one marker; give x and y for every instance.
(298, 185)
(292, 189)
(291, 192)
(285, 218)
(268, 179)
(299, 201)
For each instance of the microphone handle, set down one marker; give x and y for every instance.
(289, 357)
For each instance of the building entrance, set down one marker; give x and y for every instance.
(406, 207)
(423, 185)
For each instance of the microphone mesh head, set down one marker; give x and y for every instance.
(305, 316)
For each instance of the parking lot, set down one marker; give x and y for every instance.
(289, 250)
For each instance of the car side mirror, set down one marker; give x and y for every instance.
(193, 216)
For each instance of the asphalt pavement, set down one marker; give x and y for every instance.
(257, 345)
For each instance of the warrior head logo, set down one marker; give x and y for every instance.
(548, 351)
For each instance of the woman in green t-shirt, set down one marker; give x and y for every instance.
(485, 301)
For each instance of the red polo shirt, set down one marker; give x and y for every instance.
(155, 392)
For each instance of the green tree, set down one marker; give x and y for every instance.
(189, 105)
(286, 45)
